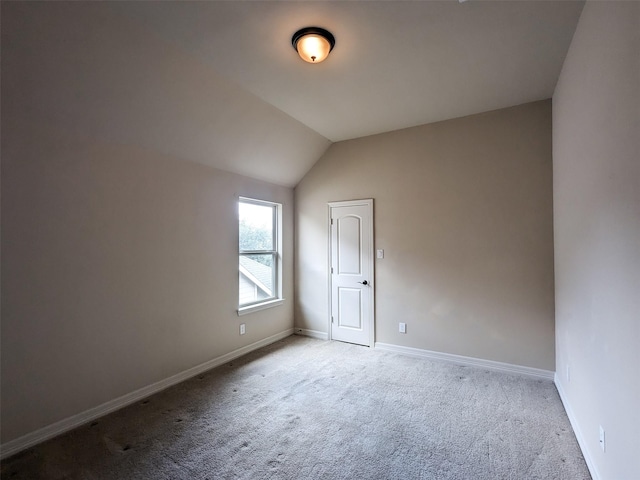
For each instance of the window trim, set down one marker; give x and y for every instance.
(276, 299)
(256, 307)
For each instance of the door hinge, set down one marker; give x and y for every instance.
(332, 221)
(332, 319)
(331, 269)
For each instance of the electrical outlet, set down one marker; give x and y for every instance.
(242, 329)
(402, 327)
(602, 438)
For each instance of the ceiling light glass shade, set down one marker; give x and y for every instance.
(313, 44)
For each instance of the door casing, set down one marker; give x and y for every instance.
(371, 263)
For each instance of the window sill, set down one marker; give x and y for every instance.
(260, 306)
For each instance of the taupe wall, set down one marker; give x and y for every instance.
(463, 210)
(596, 167)
(119, 263)
(119, 269)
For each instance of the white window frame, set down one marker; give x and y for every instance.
(276, 299)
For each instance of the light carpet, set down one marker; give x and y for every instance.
(310, 409)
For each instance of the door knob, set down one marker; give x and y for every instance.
(364, 283)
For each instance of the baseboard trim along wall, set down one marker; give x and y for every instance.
(311, 333)
(595, 475)
(50, 431)
(468, 361)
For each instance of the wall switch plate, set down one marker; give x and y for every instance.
(242, 329)
(402, 327)
(380, 253)
(602, 438)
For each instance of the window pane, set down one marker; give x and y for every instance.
(257, 277)
(256, 227)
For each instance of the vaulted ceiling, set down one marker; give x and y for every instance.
(219, 82)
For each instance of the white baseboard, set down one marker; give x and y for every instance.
(311, 333)
(30, 439)
(468, 361)
(595, 475)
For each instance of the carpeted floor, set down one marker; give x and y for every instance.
(308, 409)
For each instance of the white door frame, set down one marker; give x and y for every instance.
(351, 203)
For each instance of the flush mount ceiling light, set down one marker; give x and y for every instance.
(313, 44)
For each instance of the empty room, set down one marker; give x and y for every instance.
(334, 239)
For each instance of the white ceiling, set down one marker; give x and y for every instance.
(219, 82)
(396, 63)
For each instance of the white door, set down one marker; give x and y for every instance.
(351, 258)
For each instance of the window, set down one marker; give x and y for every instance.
(259, 259)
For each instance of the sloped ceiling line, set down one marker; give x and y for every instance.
(219, 83)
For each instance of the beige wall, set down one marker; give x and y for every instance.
(596, 167)
(463, 210)
(119, 264)
(119, 269)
